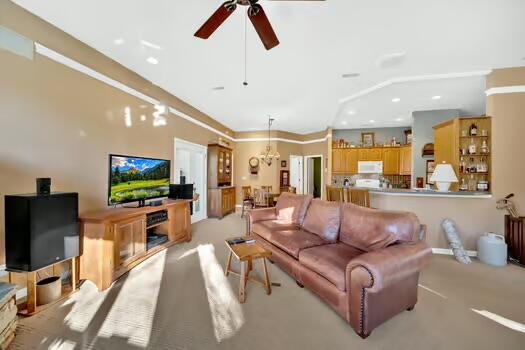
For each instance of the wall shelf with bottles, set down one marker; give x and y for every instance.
(465, 143)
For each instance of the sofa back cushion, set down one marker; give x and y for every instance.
(372, 229)
(292, 207)
(323, 218)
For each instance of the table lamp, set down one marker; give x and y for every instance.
(443, 176)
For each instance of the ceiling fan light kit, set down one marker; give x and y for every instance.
(257, 16)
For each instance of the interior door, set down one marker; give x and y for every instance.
(191, 159)
(296, 173)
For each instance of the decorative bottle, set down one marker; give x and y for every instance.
(472, 146)
(473, 130)
(484, 147)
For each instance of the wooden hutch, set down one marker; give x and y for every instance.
(115, 240)
(221, 193)
(451, 143)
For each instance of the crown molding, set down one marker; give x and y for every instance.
(411, 79)
(505, 90)
(68, 62)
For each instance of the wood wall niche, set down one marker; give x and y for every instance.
(449, 141)
(114, 240)
(221, 193)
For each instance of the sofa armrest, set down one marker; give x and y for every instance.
(256, 215)
(392, 264)
(383, 283)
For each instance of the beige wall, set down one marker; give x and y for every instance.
(56, 122)
(476, 216)
(271, 175)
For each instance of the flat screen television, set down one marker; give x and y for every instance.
(133, 179)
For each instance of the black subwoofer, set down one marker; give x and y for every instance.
(40, 230)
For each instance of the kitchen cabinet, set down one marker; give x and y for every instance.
(350, 158)
(344, 161)
(391, 161)
(338, 161)
(370, 154)
(405, 160)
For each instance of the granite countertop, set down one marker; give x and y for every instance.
(427, 193)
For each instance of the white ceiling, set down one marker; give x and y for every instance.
(299, 82)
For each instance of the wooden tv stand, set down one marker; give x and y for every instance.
(114, 240)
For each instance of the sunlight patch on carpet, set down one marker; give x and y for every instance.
(226, 311)
(139, 293)
(432, 291)
(516, 326)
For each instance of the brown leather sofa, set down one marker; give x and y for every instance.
(365, 263)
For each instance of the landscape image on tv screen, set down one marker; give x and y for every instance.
(134, 179)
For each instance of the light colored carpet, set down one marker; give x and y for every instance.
(181, 300)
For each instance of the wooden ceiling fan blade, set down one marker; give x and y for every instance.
(215, 21)
(262, 26)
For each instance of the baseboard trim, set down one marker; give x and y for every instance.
(444, 251)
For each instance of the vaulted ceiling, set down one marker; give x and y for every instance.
(412, 50)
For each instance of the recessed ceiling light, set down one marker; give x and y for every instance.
(118, 41)
(351, 112)
(217, 88)
(344, 122)
(399, 119)
(372, 121)
(150, 45)
(436, 97)
(143, 118)
(395, 100)
(152, 60)
(350, 75)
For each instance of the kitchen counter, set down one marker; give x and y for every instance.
(428, 193)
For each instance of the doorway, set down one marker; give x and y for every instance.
(191, 162)
(313, 176)
(296, 173)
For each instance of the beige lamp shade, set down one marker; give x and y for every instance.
(443, 176)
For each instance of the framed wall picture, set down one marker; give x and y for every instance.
(285, 178)
(283, 163)
(431, 166)
(368, 139)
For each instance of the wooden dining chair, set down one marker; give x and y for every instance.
(359, 197)
(248, 201)
(267, 188)
(334, 194)
(261, 198)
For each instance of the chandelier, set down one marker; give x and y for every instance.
(267, 156)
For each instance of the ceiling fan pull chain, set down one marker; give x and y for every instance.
(245, 83)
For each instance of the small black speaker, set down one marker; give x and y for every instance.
(43, 186)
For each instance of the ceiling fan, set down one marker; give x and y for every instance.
(255, 13)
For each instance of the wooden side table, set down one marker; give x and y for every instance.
(246, 253)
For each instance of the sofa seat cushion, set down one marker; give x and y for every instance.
(330, 261)
(292, 207)
(372, 229)
(323, 218)
(293, 241)
(265, 228)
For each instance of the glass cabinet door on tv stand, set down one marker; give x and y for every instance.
(130, 240)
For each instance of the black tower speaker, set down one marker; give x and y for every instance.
(43, 186)
(40, 230)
